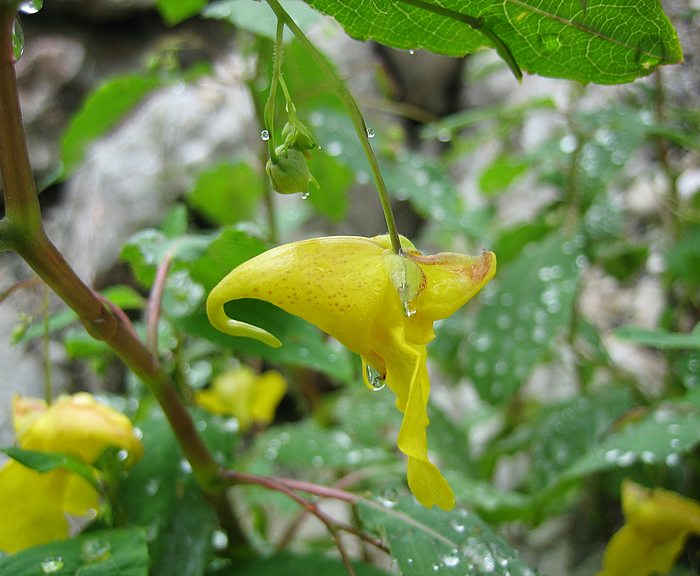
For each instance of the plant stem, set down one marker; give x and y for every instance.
(154, 304)
(48, 388)
(355, 115)
(22, 231)
(269, 116)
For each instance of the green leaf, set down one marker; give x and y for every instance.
(608, 42)
(430, 541)
(230, 248)
(661, 338)
(98, 553)
(296, 565)
(530, 303)
(49, 461)
(306, 446)
(174, 11)
(162, 495)
(501, 173)
(227, 193)
(658, 437)
(257, 17)
(100, 112)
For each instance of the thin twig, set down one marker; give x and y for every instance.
(155, 300)
(26, 283)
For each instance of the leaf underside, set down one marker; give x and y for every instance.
(606, 42)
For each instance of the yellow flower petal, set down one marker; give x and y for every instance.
(379, 304)
(657, 525)
(34, 505)
(80, 426)
(242, 393)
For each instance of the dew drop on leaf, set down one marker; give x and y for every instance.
(304, 196)
(370, 133)
(31, 6)
(265, 135)
(95, 550)
(389, 497)
(51, 565)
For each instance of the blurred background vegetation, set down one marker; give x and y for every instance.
(578, 366)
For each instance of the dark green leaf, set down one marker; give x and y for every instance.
(174, 11)
(99, 553)
(100, 112)
(230, 248)
(284, 564)
(608, 43)
(227, 193)
(528, 306)
(162, 495)
(501, 173)
(659, 437)
(49, 461)
(430, 541)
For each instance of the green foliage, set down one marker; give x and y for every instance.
(427, 541)
(98, 553)
(534, 419)
(607, 43)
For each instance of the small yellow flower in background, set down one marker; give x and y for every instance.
(657, 524)
(35, 505)
(380, 305)
(242, 393)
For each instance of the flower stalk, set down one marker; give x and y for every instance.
(356, 117)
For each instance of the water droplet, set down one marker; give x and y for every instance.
(334, 148)
(409, 560)
(17, 39)
(265, 135)
(94, 551)
(647, 457)
(483, 342)
(612, 455)
(152, 486)
(31, 6)
(409, 309)
(457, 526)
(436, 567)
(305, 195)
(626, 458)
(317, 461)
(568, 144)
(673, 460)
(122, 455)
(389, 497)
(185, 466)
(411, 51)
(51, 565)
(219, 540)
(370, 133)
(450, 560)
(376, 380)
(444, 134)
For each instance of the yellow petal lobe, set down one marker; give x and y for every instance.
(657, 524)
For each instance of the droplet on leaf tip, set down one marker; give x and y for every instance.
(265, 135)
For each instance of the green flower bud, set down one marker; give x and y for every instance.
(289, 174)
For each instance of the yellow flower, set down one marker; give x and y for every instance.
(380, 305)
(35, 506)
(657, 524)
(240, 392)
